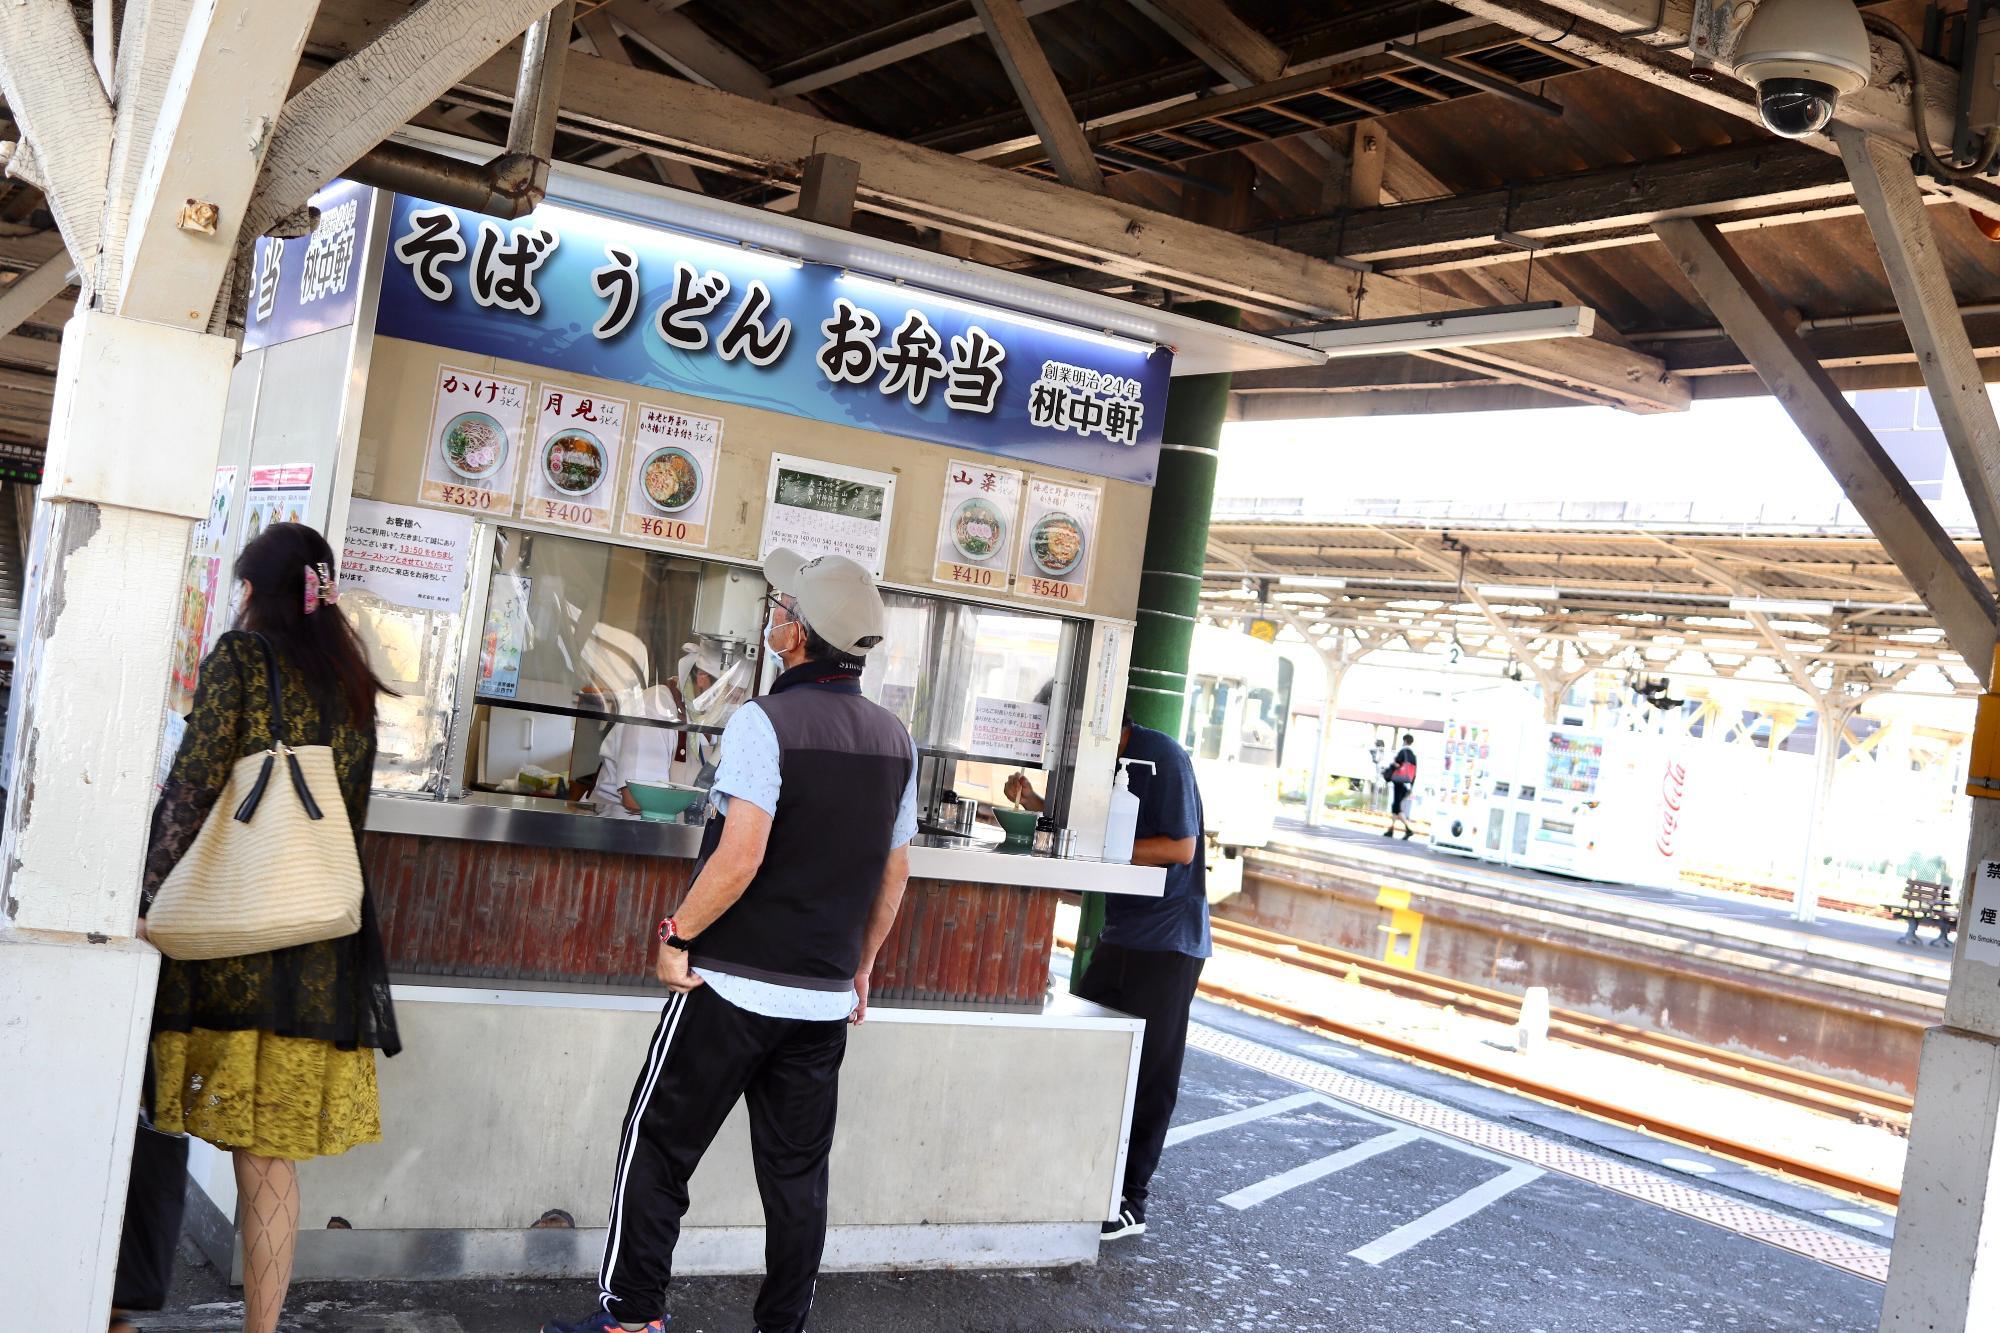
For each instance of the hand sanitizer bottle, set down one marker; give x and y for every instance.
(1121, 826)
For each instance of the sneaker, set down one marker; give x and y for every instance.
(1131, 1221)
(601, 1322)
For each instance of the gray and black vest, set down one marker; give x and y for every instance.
(843, 765)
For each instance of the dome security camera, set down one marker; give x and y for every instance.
(1802, 57)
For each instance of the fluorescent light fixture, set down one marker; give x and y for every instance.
(1778, 606)
(1533, 593)
(909, 292)
(1312, 581)
(678, 239)
(1424, 333)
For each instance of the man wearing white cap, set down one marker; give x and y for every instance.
(800, 876)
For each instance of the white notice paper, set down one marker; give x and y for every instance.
(818, 508)
(1008, 729)
(406, 556)
(1981, 923)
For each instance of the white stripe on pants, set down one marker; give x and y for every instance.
(670, 1019)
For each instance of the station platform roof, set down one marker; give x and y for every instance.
(1298, 161)
(1649, 588)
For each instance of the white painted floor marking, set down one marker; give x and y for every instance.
(1447, 1215)
(1195, 1129)
(1252, 1195)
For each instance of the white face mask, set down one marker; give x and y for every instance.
(770, 647)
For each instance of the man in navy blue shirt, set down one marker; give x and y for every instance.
(1149, 956)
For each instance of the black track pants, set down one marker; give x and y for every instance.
(705, 1054)
(1158, 986)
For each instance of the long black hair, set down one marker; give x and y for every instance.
(323, 645)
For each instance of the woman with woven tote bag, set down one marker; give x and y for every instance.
(273, 995)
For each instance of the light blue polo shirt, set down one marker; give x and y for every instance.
(751, 771)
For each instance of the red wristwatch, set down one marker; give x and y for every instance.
(670, 935)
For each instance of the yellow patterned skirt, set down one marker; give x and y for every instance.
(290, 1097)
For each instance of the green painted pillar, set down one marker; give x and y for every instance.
(1170, 581)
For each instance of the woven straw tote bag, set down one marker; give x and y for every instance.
(272, 867)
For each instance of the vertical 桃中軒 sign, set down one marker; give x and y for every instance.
(573, 468)
(975, 546)
(671, 489)
(472, 454)
(1058, 530)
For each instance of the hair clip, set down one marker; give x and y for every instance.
(312, 590)
(329, 588)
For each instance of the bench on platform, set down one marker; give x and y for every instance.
(1927, 904)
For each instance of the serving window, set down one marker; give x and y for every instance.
(592, 654)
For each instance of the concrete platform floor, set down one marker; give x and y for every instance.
(1279, 1209)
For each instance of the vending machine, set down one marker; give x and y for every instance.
(1491, 738)
(1459, 793)
(1612, 806)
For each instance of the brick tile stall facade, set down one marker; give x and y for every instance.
(510, 913)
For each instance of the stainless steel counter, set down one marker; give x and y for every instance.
(526, 821)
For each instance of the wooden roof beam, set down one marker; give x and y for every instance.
(676, 40)
(893, 51)
(22, 298)
(52, 89)
(1041, 94)
(1894, 206)
(921, 186)
(602, 34)
(943, 191)
(1582, 206)
(1601, 31)
(1224, 42)
(398, 61)
(1929, 559)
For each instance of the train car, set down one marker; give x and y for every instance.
(1239, 702)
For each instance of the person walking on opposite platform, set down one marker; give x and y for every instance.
(800, 876)
(1150, 953)
(271, 1056)
(1402, 775)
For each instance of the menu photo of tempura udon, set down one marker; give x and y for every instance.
(670, 480)
(1058, 534)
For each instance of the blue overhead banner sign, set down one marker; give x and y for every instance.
(595, 295)
(309, 284)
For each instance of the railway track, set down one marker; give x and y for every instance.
(1768, 1078)
(1752, 1073)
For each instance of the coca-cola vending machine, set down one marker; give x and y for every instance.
(1613, 806)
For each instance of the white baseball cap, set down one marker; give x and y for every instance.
(836, 596)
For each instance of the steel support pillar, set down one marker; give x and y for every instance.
(103, 587)
(1826, 763)
(1170, 579)
(1336, 674)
